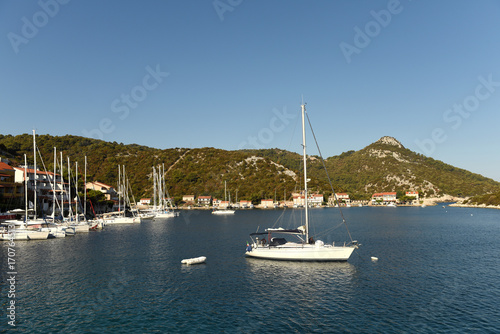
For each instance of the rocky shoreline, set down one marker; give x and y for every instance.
(483, 206)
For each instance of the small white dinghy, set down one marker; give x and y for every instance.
(374, 258)
(195, 260)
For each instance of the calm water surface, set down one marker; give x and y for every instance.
(438, 272)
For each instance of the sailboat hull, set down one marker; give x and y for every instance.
(299, 252)
(223, 212)
(167, 214)
(124, 220)
(24, 235)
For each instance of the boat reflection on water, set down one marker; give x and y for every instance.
(312, 278)
(297, 271)
(310, 296)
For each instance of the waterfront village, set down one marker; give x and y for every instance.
(12, 191)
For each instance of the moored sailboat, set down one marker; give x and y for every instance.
(122, 216)
(305, 249)
(20, 229)
(224, 211)
(165, 209)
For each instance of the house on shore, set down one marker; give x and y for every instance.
(342, 198)
(267, 204)
(386, 197)
(9, 189)
(299, 200)
(412, 194)
(108, 191)
(315, 199)
(145, 201)
(205, 200)
(223, 205)
(188, 199)
(245, 204)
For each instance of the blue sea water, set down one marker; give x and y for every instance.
(438, 272)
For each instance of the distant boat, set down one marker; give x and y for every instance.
(165, 209)
(305, 249)
(224, 211)
(195, 260)
(391, 205)
(120, 216)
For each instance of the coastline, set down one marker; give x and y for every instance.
(478, 206)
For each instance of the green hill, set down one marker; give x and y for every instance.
(387, 165)
(486, 199)
(254, 174)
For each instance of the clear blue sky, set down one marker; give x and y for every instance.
(232, 73)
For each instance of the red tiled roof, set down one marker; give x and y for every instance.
(100, 184)
(382, 194)
(32, 171)
(4, 166)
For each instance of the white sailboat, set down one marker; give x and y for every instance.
(305, 249)
(224, 211)
(20, 229)
(165, 209)
(121, 216)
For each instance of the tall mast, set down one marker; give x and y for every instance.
(25, 191)
(164, 190)
(34, 161)
(62, 187)
(125, 190)
(76, 192)
(85, 191)
(119, 188)
(54, 190)
(160, 190)
(305, 169)
(154, 189)
(70, 211)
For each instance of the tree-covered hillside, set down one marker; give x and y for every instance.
(253, 174)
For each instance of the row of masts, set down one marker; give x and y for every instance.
(123, 189)
(160, 190)
(123, 186)
(53, 185)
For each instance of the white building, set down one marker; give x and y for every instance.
(386, 197)
(315, 199)
(267, 203)
(412, 194)
(205, 200)
(145, 201)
